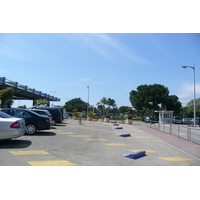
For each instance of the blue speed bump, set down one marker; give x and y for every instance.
(125, 135)
(135, 155)
(119, 128)
(115, 124)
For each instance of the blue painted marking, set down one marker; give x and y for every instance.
(119, 128)
(125, 135)
(135, 155)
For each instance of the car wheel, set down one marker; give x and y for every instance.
(53, 122)
(30, 129)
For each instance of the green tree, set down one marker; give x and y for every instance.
(188, 110)
(41, 102)
(123, 110)
(6, 97)
(149, 97)
(75, 103)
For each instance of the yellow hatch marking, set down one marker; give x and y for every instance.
(142, 137)
(79, 135)
(147, 150)
(51, 163)
(27, 152)
(96, 139)
(116, 144)
(174, 158)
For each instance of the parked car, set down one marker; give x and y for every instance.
(151, 120)
(57, 116)
(45, 113)
(177, 120)
(33, 121)
(11, 127)
(197, 120)
(186, 121)
(99, 115)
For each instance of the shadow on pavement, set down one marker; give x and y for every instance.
(14, 144)
(41, 133)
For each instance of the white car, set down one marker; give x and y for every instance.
(45, 113)
(11, 127)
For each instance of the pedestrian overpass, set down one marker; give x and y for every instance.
(23, 92)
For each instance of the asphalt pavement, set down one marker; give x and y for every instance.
(98, 144)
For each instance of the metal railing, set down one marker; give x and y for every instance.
(182, 131)
(8, 82)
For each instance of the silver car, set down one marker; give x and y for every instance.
(11, 127)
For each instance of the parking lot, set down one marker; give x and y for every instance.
(92, 144)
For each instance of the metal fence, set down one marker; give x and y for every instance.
(183, 131)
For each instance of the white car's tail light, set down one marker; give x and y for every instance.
(15, 125)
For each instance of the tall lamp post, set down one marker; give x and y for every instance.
(194, 93)
(88, 101)
(53, 95)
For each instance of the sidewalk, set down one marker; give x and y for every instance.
(184, 145)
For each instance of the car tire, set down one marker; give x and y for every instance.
(53, 122)
(30, 129)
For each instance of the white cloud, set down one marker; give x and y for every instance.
(187, 90)
(102, 43)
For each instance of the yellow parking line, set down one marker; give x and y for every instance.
(79, 135)
(51, 163)
(116, 144)
(174, 158)
(96, 139)
(147, 150)
(27, 152)
(142, 137)
(67, 133)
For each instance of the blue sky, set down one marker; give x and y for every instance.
(110, 64)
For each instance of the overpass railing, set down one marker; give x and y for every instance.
(8, 82)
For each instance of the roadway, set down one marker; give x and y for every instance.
(95, 144)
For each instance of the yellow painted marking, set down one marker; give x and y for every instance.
(147, 150)
(96, 139)
(27, 152)
(116, 144)
(51, 163)
(79, 135)
(174, 158)
(111, 131)
(97, 129)
(158, 140)
(66, 133)
(142, 137)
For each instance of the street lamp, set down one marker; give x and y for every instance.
(194, 93)
(88, 101)
(53, 96)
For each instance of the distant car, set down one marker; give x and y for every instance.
(11, 127)
(197, 120)
(186, 121)
(177, 120)
(99, 115)
(33, 121)
(45, 113)
(151, 120)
